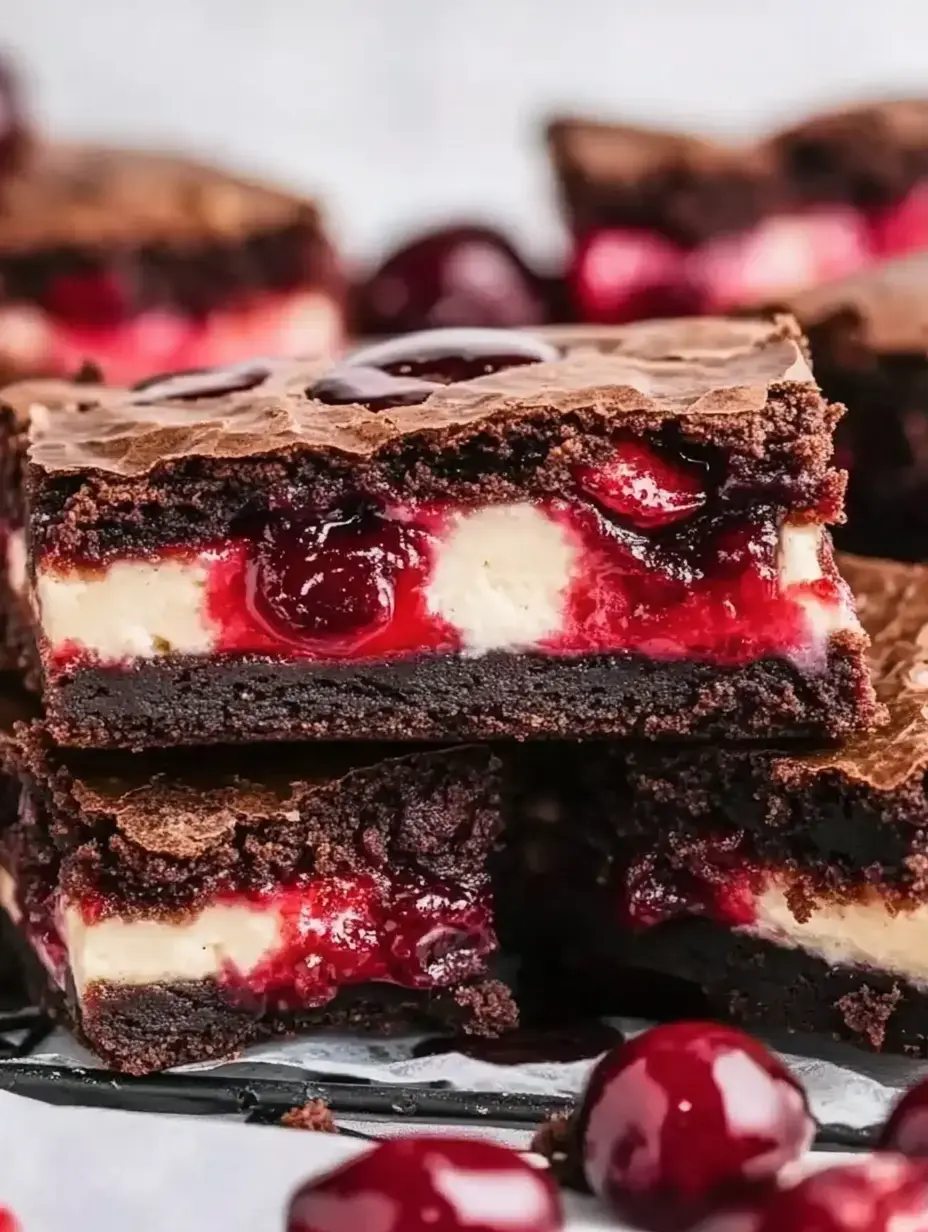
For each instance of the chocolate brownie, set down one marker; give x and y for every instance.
(145, 262)
(182, 906)
(869, 341)
(780, 885)
(454, 535)
(667, 222)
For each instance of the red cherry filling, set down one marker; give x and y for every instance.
(644, 487)
(457, 276)
(415, 366)
(627, 275)
(430, 1184)
(332, 579)
(903, 227)
(723, 890)
(337, 931)
(687, 1117)
(906, 1131)
(885, 1193)
(94, 298)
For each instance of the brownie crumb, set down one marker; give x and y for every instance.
(314, 1115)
(487, 1008)
(556, 1141)
(867, 1012)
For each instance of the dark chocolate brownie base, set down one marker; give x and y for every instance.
(703, 968)
(160, 703)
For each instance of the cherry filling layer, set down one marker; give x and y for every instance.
(294, 946)
(626, 274)
(854, 923)
(82, 325)
(650, 553)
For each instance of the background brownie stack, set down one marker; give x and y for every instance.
(459, 537)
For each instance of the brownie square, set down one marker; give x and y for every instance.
(450, 536)
(667, 223)
(782, 886)
(145, 263)
(177, 907)
(869, 342)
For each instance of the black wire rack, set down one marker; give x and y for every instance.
(258, 1099)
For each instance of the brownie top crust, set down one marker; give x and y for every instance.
(89, 197)
(892, 602)
(701, 371)
(884, 309)
(181, 804)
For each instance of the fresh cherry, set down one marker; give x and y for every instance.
(8, 1221)
(430, 1184)
(884, 1193)
(453, 276)
(412, 367)
(647, 489)
(687, 1117)
(906, 1131)
(331, 579)
(200, 383)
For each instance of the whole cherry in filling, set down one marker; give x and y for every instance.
(417, 365)
(645, 487)
(688, 1117)
(332, 579)
(430, 1184)
(885, 1193)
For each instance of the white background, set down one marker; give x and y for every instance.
(403, 112)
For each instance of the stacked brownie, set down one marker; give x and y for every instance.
(667, 223)
(455, 537)
(784, 885)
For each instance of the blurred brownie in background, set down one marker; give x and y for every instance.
(869, 340)
(666, 223)
(148, 263)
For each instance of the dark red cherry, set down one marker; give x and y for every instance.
(454, 276)
(200, 383)
(331, 579)
(687, 1117)
(14, 131)
(643, 486)
(430, 1184)
(8, 1221)
(884, 1193)
(906, 1131)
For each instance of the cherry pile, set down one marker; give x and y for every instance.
(693, 1125)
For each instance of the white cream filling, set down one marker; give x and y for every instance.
(129, 610)
(137, 951)
(865, 932)
(501, 578)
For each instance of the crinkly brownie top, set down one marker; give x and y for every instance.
(88, 197)
(715, 375)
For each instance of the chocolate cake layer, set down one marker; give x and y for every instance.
(869, 341)
(183, 906)
(731, 867)
(692, 189)
(463, 532)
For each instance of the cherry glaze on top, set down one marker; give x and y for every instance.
(422, 363)
(430, 1184)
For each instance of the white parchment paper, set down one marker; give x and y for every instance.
(846, 1086)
